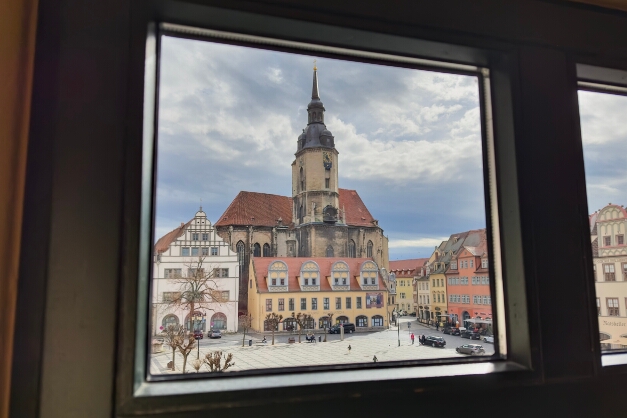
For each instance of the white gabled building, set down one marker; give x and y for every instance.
(179, 251)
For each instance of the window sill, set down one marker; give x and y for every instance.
(238, 383)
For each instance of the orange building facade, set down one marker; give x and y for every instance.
(468, 284)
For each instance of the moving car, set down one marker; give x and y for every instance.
(472, 349)
(215, 333)
(488, 339)
(434, 341)
(198, 334)
(348, 328)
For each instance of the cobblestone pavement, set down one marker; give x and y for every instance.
(264, 356)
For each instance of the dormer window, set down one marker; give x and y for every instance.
(277, 273)
(309, 273)
(340, 273)
(369, 273)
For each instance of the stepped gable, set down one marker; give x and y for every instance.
(164, 242)
(261, 264)
(357, 214)
(257, 209)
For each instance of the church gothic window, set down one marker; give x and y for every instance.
(309, 273)
(240, 257)
(257, 250)
(351, 249)
(369, 249)
(302, 180)
(266, 250)
(329, 252)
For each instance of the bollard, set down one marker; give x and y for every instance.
(250, 343)
(319, 339)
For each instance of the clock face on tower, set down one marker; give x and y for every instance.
(326, 160)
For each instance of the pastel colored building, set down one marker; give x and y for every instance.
(609, 249)
(176, 256)
(468, 283)
(404, 271)
(350, 288)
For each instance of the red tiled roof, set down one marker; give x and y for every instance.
(257, 209)
(164, 242)
(407, 268)
(357, 213)
(262, 209)
(261, 264)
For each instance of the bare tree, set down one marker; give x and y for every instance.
(301, 320)
(273, 320)
(213, 361)
(245, 322)
(185, 349)
(172, 335)
(197, 290)
(330, 316)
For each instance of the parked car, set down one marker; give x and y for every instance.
(488, 339)
(434, 341)
(198, 334)
(471, 335)
(446, 330)
(215, 333)
(455, 331)
(472, 349)
(413, 313)
(348, 328)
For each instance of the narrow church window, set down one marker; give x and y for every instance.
(351, 249)
(329, 252)
(257, 250)
(266, 250)
(369, 249)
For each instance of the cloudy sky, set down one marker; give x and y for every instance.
(409, 140)
(604, 134)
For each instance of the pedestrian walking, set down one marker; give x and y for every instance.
(412, 338)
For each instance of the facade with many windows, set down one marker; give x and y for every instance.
(468, 283)
(194, 250)
(405, 271)
(350, 288)
(607, 230)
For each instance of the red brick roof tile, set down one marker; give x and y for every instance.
(164, 242)
(262, 209)
(257, 209)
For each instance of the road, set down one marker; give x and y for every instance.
(393, 334)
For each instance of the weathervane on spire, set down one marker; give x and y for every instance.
(315, 68)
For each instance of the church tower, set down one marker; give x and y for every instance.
(315, 193)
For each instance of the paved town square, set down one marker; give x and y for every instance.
(364, 347)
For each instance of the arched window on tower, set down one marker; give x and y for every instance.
(257, 250)
(330, 251)
(266, 250)
(302, 179)
(369, 249)
(351, 249)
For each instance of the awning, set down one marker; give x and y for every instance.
(615, 341)
(478, 321)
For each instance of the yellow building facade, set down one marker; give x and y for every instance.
(350, 288)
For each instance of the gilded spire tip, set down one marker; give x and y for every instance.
(315, 68)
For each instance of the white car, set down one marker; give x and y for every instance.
(488, 339)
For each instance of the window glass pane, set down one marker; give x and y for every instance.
(604, 136)
(315, 154)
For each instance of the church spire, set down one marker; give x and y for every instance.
(314, 90)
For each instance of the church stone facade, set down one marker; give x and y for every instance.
(318, 220)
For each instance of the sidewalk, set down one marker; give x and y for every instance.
(363, 348)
